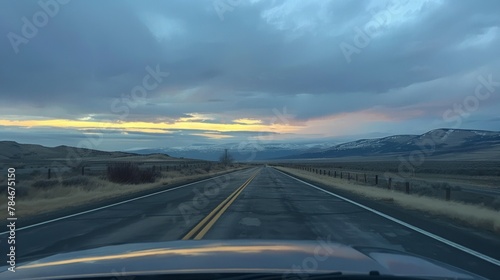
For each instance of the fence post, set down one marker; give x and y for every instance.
(389, 186)
(365, 178)
(83, 170)
(407, 185)
(376, 179)
(328, 173)
(48, 173)
(341, 175)
(335, 174)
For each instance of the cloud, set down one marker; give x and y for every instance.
(417, 59)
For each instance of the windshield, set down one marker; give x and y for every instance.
(288, 137)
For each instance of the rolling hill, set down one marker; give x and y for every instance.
(10, 150)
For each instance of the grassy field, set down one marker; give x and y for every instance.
(455, 168)
(36, 194)
(472, 182)
(473, 215)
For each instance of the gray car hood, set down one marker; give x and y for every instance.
(284, 257)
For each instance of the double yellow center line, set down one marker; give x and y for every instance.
(206, 224)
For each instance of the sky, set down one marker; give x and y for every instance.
(120, 75)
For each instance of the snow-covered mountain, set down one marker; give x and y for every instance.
(435, 143)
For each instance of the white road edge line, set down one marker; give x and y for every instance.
(419, 230)
(110, 205)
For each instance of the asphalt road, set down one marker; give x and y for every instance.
(257, 203)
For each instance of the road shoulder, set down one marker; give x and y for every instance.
(476, 239)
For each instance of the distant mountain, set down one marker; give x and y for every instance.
(10, 150)
(449, 144)
(439, 144)
(239, 151)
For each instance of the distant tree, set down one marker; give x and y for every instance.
(226, 158)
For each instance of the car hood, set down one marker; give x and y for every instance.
(236, 256)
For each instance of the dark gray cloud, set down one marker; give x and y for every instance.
(416, 58)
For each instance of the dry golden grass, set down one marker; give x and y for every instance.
(41, 201)
(473, 215)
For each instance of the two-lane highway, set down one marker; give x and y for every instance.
(257, 203)
(163, 216)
